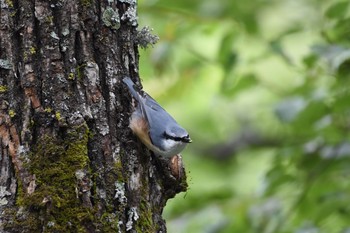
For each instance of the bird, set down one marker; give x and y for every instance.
(153, 125)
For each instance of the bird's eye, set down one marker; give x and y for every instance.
(166, 135)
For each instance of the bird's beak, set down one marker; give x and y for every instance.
(186, 139)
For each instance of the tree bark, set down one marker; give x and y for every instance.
(69, 162)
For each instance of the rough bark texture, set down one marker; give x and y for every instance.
(68, 161)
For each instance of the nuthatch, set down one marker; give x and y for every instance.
(154, 126)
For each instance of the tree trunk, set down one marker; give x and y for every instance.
(69, 162)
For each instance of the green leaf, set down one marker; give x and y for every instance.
(310, 60)
(227, 57)
(312, 113)
(338, 10)
(234, 85)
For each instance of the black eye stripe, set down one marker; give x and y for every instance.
(183, 139)
(167, 136)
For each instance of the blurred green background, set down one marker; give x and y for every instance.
(263, 88)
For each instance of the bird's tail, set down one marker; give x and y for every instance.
(132, 87)
(135, 92)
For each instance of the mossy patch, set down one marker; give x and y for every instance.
(86, 3)
(79, 71)
(58, 116)
(54, 162)
(12, 113)
(9, 3)
(145, 221)
(109, 222)
(32, 50)
(3, 89)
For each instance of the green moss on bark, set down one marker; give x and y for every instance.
(3, 89)
(109, 222)
(54, 162)
(145, 221)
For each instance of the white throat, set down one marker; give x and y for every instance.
(172, 147)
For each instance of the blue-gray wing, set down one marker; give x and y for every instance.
(150, 108)
(158, 119)
(156, 115)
